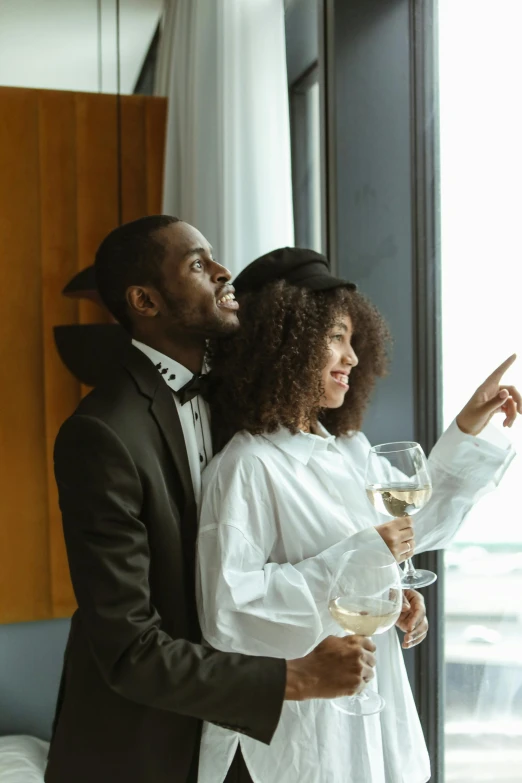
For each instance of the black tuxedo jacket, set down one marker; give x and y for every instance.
(136, 682)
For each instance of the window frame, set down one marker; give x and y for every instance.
(299, 134)
(430, 656)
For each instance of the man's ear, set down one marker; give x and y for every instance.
(143, 301)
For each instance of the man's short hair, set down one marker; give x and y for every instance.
(131, 254)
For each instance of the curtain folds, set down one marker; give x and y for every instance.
(222, 64)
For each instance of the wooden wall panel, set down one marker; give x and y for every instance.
(134, 173)
(58, 199)
(59, 265)
(24, 564)
(96, 183)
(155, 133)
(97, 174)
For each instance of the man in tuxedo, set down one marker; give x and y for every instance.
(137, 683)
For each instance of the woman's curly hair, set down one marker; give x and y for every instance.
(268, 373)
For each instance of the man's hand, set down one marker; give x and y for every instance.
(337, 667)
(398, 537)
(413, 620)
(491, 397)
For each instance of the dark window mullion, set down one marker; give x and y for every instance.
(429, 657)
(302, 155)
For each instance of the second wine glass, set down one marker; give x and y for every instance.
(365, 598)
(398, 484)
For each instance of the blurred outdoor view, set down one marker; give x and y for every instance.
(480, 68)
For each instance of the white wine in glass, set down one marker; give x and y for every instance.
(400, 499)
(365, 598)
(398, 484)
(364, 618)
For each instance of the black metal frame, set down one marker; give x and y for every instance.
(329, 169)
(429, 658)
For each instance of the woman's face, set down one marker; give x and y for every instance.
(341, 360)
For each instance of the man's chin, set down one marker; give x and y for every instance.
(226, 325)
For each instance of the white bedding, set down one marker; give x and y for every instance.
(22, 759)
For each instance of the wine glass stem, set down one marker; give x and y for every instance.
(409, 568)
(362, 695)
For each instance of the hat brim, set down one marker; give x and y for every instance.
(325, 283)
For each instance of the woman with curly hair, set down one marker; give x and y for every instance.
(286, 498)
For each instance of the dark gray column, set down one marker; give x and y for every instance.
(382, 195)
(373, 215)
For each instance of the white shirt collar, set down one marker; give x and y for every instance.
(321, 430)
(173, 373)
(302, 445)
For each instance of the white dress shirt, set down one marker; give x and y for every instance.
(278, 510)
(194, 415)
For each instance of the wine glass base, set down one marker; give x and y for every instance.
(366, 703)
(419, 578)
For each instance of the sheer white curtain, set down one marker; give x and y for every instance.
(227, 164)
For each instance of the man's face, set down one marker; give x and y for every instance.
(196, 295)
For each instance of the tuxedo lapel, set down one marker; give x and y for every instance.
(163, 409)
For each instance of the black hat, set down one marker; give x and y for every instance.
(298, 266)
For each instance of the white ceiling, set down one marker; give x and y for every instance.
(54, 44)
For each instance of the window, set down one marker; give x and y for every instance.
(306, 160)
(73, 44)
(480, 62)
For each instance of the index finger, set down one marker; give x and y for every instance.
(406, 522)
(412, 594)
(497, 374)
(415, 617)
(414, 597)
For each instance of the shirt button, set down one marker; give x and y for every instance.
(196, 415)
(201, 458)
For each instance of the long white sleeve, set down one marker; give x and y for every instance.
(463, 468)
(246, 603)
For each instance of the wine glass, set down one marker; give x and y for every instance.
(398, 484)
(365, 598)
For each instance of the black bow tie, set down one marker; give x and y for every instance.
(198, 384)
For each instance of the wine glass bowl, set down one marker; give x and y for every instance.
(398, 484)
(399, 500)
(365, 598)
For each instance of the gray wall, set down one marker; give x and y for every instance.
(373, 213)
(31, 657)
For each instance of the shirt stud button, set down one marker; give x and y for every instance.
(201, 458)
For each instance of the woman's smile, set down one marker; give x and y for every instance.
(341, 378)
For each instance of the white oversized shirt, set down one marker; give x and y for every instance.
(194, 415)
(278, 510)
